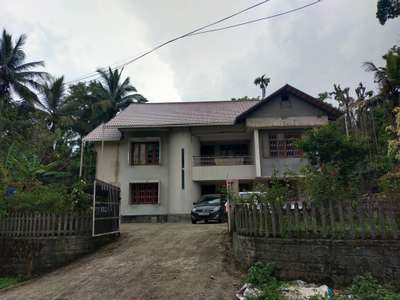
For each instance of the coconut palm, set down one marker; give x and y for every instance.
(115, 94)
(17, 76)
(53, 101)
(263, 82)
(388, 77)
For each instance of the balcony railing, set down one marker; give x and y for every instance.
(222, 160)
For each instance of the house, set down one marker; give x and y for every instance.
(164, 156)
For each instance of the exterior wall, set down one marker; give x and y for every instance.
(282, 166)
(173, 200)
(207, 173)
(181, 200)
(129, 174)
(24, 256)
(107, 162)
(274, 115)
(338, 261)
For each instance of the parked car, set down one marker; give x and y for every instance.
(209, 208)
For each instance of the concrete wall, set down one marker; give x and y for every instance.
(107, 162)
(294, 108)
(173, 200)
(282, 166)
(338, 261)
(25, 257)
(207, 173)
(276, 115)
(129, 173)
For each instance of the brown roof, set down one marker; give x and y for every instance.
(170, 114)
(333, 113)
(175, 114)
(103, 133)
(206, 113)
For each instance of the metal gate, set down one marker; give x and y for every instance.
(106, 205)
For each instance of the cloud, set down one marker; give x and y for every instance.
(311, 49)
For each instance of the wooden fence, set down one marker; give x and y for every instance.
(323, 222)
(37, 225)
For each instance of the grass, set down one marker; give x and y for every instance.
(8, 281)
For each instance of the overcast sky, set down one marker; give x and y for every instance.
(310, 49)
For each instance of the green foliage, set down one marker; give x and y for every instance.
(387, 9)
(390, 182)
(328, 145)
(51, 197)
(276, 191)
(6, 282)
(262, 276)
(366, 287)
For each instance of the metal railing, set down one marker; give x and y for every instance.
(235, 160)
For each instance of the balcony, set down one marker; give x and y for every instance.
(208, 168)
(233, 160)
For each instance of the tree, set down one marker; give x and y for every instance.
(114, 93)
(16, 76)
(53, 101)
(388, 77)
(263, 82)
(387, 9)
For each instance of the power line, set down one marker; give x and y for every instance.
(200, 31)
(183, 36)
(258, 20)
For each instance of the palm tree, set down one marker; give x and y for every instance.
(263, 82)
(16, 76)
(388, 77)
(115, 94)
(53, 101)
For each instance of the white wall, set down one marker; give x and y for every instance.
(129, 174)
(107, 162)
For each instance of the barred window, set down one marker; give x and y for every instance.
(144, 193)
(145, 153)
(284, 145)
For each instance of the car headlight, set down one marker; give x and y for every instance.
(194, 210)
(215, 209)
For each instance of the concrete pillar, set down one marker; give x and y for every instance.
(257, 156)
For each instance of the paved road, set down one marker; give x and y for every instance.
(149, 261)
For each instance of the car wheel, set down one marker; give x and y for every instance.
(205, 221)
(194, 222)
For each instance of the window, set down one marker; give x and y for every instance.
(145, 153)
(144, 193)
(283, 145)
(183, 168)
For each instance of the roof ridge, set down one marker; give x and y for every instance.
(197, 102)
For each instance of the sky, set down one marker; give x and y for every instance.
(311, 49)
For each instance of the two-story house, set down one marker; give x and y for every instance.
(164, 156)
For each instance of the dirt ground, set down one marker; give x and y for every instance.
(149, 261)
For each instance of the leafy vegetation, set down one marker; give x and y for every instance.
(387, 9)
(8, 281)
(42, 123)
(262, 276)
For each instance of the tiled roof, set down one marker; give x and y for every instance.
(103, 133)
(170, 114)
(180, 114)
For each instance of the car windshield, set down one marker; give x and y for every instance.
(209, 200)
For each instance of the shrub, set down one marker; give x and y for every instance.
(390, 182)
(261, 276)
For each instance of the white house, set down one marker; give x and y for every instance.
(164, 156)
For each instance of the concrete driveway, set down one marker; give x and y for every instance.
(149, 261)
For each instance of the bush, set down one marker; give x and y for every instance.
(390, 182)
(52, 197)
(261, 276)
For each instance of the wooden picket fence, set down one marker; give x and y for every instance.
(322, 222)
(37, 225)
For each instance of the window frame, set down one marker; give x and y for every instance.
(144, 182)
(149, 140)
(281, 142)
